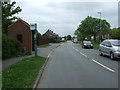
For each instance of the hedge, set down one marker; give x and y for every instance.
(10, 47)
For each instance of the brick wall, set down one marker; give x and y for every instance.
(43, 40)
(20, 27)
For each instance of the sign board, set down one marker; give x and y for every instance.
(32, 26)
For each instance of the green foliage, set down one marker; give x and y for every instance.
(23, 73)
(69, 37)
(53, 40)
(65, 37)
(10, 47)
(115, 33)
(27, 53)
(8, 10)
(91, 27)
(96, 45)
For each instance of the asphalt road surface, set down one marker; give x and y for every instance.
(71, 66)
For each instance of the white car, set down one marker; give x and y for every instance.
(110, 47)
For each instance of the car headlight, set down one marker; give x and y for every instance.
(117, 50)
(91, 44)
(85, 44)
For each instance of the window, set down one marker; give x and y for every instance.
(103, 43)
(20, 38)
(108, 44)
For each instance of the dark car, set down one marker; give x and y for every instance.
(87, 44)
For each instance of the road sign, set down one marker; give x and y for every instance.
(34, 27)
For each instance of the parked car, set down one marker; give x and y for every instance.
(87, 44)
(110, 47)
(75, 40)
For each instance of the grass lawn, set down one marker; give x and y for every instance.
(43, 46)
(96, 45)
(23, 73)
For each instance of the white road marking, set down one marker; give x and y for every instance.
(73, 48)
(83, 54)
(96, 61)
(103, 65)
(49, 54)
(76, 50)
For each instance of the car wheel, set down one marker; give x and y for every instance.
(112, 56)
(100, 52)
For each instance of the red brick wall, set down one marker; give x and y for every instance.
(43, 40)
(23, 29)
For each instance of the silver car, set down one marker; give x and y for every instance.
(110, 47)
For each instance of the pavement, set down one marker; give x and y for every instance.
(44, 52)
(71, 66)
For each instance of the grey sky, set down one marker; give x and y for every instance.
(64, 17)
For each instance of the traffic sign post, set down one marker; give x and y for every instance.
(34, 27)
(35, 39)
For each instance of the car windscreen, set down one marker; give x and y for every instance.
(116, 42)
(87, 42)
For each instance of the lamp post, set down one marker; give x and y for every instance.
(100, 25)
(34, 27)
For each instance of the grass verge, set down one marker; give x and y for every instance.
(43, 46)
(23, 73)
(96, 45)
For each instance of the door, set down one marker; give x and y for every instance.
(108, 48)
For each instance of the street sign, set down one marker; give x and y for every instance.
(32, 27)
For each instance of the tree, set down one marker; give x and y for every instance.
(90, 27)
(8, 10)
(69, 37)
(115, 33)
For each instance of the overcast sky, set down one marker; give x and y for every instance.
(64, 17)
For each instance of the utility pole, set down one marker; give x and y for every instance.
(100, 25)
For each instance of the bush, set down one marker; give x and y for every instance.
(10, 47)
(53, 40)
(115, 33)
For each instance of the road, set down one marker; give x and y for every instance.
(71, 66)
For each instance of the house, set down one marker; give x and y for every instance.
(52, 37)
(20, 30)
(50, 33)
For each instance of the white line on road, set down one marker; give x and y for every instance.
(83, 54)
(49, 54)
(76, 50)
(73, 48)
(103, 65)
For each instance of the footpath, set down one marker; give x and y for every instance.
(44, 52)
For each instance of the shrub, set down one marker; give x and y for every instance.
(53, 40)
(10, 47)
(115, 33)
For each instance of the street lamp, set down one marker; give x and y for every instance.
(34, 27)
(100, 25)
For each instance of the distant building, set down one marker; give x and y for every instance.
(50, 33)
(20, 30)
